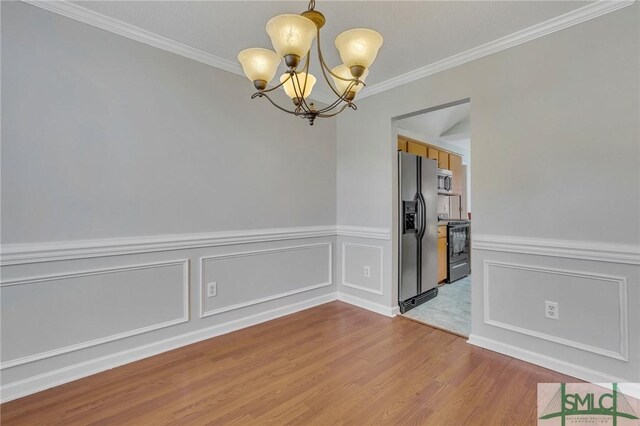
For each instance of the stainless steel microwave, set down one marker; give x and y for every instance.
(444, 181)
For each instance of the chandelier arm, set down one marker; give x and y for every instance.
(303, 101)
(302, 104)
(262, 94)
(323, 65)
(306, 79)
(335, 113)
(340, 99)
(335, 104)
(276, 87)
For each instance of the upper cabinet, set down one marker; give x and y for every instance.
(443, 160)
(455, 165)
(416, 148)
(402, 144)
(433, 153)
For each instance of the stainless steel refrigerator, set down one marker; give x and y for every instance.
(418, 219)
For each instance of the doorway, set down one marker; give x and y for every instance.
(439, 139)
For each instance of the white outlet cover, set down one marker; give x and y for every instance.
(212, 289)
(367, 272)
(551, 310)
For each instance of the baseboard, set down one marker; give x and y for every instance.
(545, 361)
(366, 304)
(77, 371)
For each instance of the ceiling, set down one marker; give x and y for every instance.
(416, 33)
(449, 125)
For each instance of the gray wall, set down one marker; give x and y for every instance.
(104, 137)
(556, 169)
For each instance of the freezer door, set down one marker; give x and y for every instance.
(429, 247)
(408, 211)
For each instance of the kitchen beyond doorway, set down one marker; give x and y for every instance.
(450, 311)
(442, 136)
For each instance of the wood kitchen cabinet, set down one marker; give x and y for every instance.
(442, 253)
(416, 148)
(455, 165)
(433, 153)
(443, 160)
(402, 145)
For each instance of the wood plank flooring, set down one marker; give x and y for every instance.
(332, 364)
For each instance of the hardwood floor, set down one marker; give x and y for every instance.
(332, 364)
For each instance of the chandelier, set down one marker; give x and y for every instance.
(292, 36)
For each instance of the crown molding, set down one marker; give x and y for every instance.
(533, 32)
(87, 16)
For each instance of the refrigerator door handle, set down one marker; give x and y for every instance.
(419, 215)
(423, 216)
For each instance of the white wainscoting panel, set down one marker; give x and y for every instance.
(49, 315)
(18, 254)
(354, 258)
(515, 295)
(363, 232)
(76, 371)
(583, 250)
(552, 363)
(252, 277)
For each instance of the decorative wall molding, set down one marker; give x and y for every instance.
(379, 290)
(79, 370)
(363, 232)
(574, 17)
(93, 342)
(602, 252)
(16, 254)
(93, 18)
(368, 305)
(204, 313)
(622, 354)
(96, 19)
(555, 364)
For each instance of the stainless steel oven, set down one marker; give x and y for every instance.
(459, 250)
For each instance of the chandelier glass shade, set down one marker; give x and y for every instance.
(292, 37)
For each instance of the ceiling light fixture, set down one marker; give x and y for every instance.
(292, 36)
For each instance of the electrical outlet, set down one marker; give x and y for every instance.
(551, 310)
(367, 272)
(212, 289)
